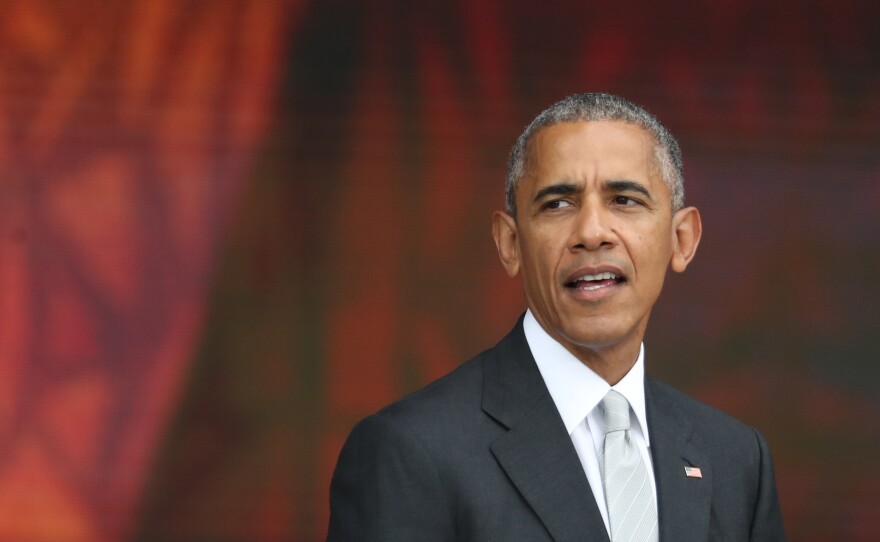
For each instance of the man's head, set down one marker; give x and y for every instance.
(595, 218)
(594, 107)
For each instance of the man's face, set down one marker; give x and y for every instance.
(594, 233)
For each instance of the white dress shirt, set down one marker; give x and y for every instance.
(577, 390)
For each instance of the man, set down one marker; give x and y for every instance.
(556, 433)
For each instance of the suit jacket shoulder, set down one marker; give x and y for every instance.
(481, 454)
(732, 495)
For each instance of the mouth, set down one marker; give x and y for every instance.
(588, 282)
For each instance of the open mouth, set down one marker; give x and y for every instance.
(595, 282)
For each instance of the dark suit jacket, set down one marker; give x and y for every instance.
(482, 454)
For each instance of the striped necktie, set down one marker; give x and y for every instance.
(628, 494)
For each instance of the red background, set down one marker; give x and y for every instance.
(231, 229)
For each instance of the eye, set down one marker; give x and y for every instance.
(625, 201)
(557, 204)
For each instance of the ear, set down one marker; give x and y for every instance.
(505, 232)
(687, 229)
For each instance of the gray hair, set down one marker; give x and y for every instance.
(593, 107)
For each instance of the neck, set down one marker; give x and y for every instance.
(611, 363)
(611, 359)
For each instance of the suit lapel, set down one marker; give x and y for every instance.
(684, 502)
(536, 453)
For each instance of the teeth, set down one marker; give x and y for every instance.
(601, 276)
(589, 288)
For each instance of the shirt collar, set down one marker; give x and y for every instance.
(575, 388)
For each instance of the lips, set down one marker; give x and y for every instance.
(594, 280)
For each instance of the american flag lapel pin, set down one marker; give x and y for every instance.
(693, 472)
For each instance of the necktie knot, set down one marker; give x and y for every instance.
(616, 409)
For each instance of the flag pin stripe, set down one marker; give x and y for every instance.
(693, 472)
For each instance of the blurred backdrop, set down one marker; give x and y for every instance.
(231, 229)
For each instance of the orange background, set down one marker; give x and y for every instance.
(230, 229)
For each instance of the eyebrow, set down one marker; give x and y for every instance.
(556, 190)
(562, 189)
(628, 186)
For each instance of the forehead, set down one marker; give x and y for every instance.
(605, 146)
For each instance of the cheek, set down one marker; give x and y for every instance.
(540, 268)
(660, 258)
(542, 254)
(656, 252)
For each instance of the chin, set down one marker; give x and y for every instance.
(593, 334)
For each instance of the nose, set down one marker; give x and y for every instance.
(593, 229)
